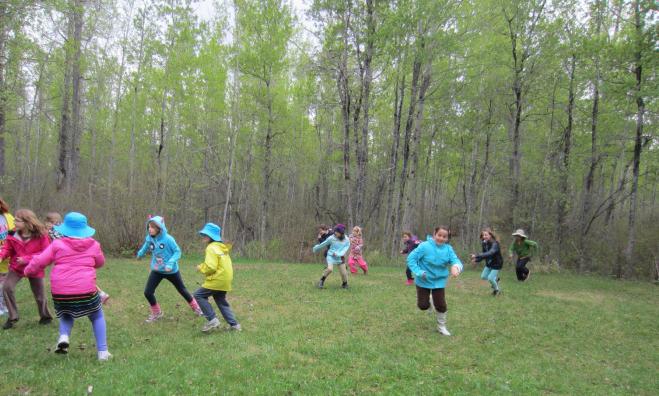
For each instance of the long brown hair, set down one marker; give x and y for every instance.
(489, 231)
(445, 228)
(32, 223)
(4, 208)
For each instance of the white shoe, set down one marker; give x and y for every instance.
(441, 324)
(236, 327)
(210, 325)
(154, 317)
(62, 344)
(104, 356)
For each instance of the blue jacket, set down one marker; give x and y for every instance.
(337, 248)
(434, 260)
(165, 253)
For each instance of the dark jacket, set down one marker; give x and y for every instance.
(491, 254)
(322, 239)
(411, 244)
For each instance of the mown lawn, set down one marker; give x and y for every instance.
(556, 334)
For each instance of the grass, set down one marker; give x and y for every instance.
(556, 334)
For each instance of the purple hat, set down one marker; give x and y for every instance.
(340, 228)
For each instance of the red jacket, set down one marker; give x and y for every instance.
(14, 248)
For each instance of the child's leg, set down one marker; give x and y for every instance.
(485, 273)
(328, 271)
(65, 325)
(408, 273)
(422, 298)
(37, 286)
(177, 281)
(201, 296)
(150, 289)
(98, 324)
(362, 264)
(8, 291)
(220, 298)
(521, 269)
(439, 299)
(344, 273)
(492, 278)
(351, 264)
(3, 307)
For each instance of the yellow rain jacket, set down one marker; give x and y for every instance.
(217, 267)
(4, 264)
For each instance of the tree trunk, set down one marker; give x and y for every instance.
(638, 142)
(76, 104)
(4, 22)
(389, 219)
(267, 166)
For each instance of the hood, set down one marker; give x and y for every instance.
(79, 245)
(222, 247)
(160, 222)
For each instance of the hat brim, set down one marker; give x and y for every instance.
(212, 236)
(520, 235)
(84, 232)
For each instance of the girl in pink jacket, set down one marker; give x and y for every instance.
(30, 239)
(73, 280)
(356, 246)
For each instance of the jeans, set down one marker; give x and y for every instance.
(154, 280)
(491, 275)
(520, 268)
(202, 295)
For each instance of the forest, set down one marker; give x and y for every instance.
(270, 117)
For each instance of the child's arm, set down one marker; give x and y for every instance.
(176, 255)
(99, 257)
(321, 245)
(413, 260)
(534, 248)
(211, 263)
(143, 249)
(455, 263)
(39, 262)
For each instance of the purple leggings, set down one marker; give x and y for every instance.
(98, 324)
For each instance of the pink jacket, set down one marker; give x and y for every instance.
(14, 248)
(356, 245)
(75, 266)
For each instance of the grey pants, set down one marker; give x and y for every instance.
(37, 286)
(202, 295)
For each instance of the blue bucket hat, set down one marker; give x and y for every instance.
(213, 231)
(75, 226)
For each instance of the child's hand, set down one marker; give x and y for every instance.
(455, 271)
(168, 268)
(401, 252)
(473, 258)
(199, 268)
(424, 276)
(20, 261)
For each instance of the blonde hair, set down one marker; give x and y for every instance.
(54, 217)
(357, 230)
(32, 223)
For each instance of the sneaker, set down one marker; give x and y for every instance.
(154, 317)
(344, 285)
(528, 275)
(496, 292)
(104, 297)
(210, 325)
(236, 327)
(9, 324)
(443, 330)
(409, 282)
(104, 356)
(62, 344)
(45, 321)
(321, 284)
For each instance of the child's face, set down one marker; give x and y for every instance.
(406, 238)
(486, 236)
(338, 234)
(19, 224)
(518, 239)
(206, 239)
(49, 224)
(322, 230)
(153, 229)
(441, 236)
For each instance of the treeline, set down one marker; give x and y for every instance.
(393, 115)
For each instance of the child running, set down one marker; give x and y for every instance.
(165, 254)
(356, 247)
(54, 219)
(525, 249)
(493, 260)
(411, 242)
(430, 263)
(324, 232)
(30, 239)
(218, 270)
(6, 227)
(76, 256)
(338, 247)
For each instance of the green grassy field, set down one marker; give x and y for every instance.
(556, 334)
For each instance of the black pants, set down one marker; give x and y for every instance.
(520, 268)
(438, 299)
(154, 280)
(408, 273)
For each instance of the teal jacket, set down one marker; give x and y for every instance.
(337, 248)
(435, 260)
(165, 253)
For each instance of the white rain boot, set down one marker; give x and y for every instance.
(441, 324)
